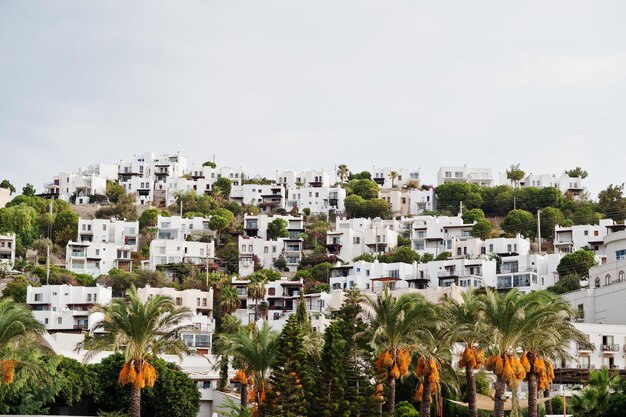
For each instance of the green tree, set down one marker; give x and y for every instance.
(221, 188)
(28, 190)
(519, 221)
(210, 164)
(548, 197)
(482, 229)
(330, 399)
(594, 399)
(365, 188)
(577, 172)
(515, 174)
(254, 349)
(21, 220)
(450, 196)
(286, 396)
(257, 291)
(148, 218)
(585, 214)
(404, 409)
(567, 283)
(218, 224)
(277, 228)
(6, 184)
(229, 299)
(141, 331)
(228, 257)
(578, 263)
(470, 216)
(75, 381)
(612, 204)
(16, 289)
(65, 227)
(363, 175)
(19, 344)
(124, 209)
(393, 175)
(114, 191)
(550, 217)
(343, 172)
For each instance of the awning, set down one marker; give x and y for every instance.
(486, 403)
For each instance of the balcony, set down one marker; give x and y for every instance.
(610, 348)
(81, 327)
(586, 347)
(448, 273)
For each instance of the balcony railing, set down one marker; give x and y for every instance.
(586, 347)
(610, 348)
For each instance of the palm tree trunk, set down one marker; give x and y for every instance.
(135, 401)
(391, 406)
(425, 404)
(546, 394)
(532, 395)
(244, 395)
(498, 406)
(471, 391)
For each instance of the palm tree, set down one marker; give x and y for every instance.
(509, 320)
(594, 398)
(466, 318)
(19, 340)
(343, 172)
(393, 175)
(257, 292)
(549, 338)
(141, 331)
(229, 299)
(254, 349)
(394, 323)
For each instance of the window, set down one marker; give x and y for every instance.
(586, 232)
(620, 254)
(45, 321)
(89, 297)
(266, 250)
(271, 291)
(198, 302)
(418, 245)
(356, 240)
(60, 320)
(595, 233)
(607, 279)
(243, 248)
(179, 301)
(620, 276)
(204, 302)
(250, 248)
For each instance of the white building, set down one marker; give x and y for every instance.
(265, 252)
(202, 324)
(354, 237)
(408, 201)
(479, 176)
(66, 308)
(563, 182)
(436, 235)
(404, 177)
(572, 238)
(317, 199)
(530, 272)
(82, 184)
(256, 225)
(7, 251)
(169, 251)
(267, 197)
(97, 258)
(306, 179)
(5, 196)
(606, 350)
(179, 228)
(120, 232)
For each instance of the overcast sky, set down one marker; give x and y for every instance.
(267, 85)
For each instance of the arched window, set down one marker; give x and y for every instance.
(620, 276)
(607, 279)
(597, 282)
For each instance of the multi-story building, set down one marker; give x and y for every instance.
(354, 237)
(403, 177)
(7, 251)
(164, 252)
(66, 308)
(199, 336)
(436, 235)
(256, 250)
(256, 225)
(572, 238)
(530, 272)
(79, 184)
(605, 349)
(102, 245)
(479, 176)
(603, 300)
(408, 201)
(563, 182)
(317, 199)
(5, 196)
(306, 179)
(267, 197)
(179, 228)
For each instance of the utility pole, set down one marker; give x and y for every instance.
(207, 267)
(514, 201)
(48, 246)
(460, 208)
(539, 229)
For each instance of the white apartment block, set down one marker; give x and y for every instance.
(479, 176)
(208, 175)
(354, 237)
(375, 276)
(169, 251)
(506, 246)
(66, 308)
(572, 238)
(408, 201)
(306, 179)
(267, 197)
(317, 199)
(530, 272)
(607, 348)
(563, 182)
(265, 252)
(81, 184)
(179, 228)
(281, 300)
(198, 180)
(202, 325)
(7, 251)
(256, 225)
(5, 196)
(436, 235)
(404, 177)
(120, 232)
(97, 258)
